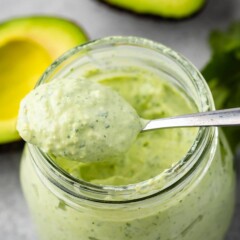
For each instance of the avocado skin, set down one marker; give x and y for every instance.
(35, 29)
(149, 8)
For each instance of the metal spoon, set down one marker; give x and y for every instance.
(227, 117)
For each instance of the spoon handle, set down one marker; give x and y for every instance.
(227, 117)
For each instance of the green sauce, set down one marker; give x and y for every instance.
(98, 125)
(78, 119)
(198, 206)
(202, 209)
(152, 152)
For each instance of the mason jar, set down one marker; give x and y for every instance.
(193, 199)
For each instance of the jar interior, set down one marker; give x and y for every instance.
(147, 68)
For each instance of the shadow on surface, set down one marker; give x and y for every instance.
(12, 147)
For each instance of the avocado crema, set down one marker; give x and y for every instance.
(97, 123)
(79, 120)
(83, 203)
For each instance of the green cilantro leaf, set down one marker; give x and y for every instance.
(223, 74)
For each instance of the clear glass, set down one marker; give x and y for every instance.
(194, 199)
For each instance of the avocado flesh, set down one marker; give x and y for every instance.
(164, 8)
(27, 48)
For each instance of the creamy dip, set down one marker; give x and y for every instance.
(200, 210)
(78, 119)
(152, 152)
(73, 200)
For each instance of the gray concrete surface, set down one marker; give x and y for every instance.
(188, 37)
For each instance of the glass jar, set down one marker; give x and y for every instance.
(194, 199)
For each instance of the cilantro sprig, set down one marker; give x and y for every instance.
(223, 74)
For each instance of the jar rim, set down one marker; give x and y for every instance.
(144, 189)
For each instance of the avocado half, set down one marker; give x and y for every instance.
(27, 47)
(164, 8)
